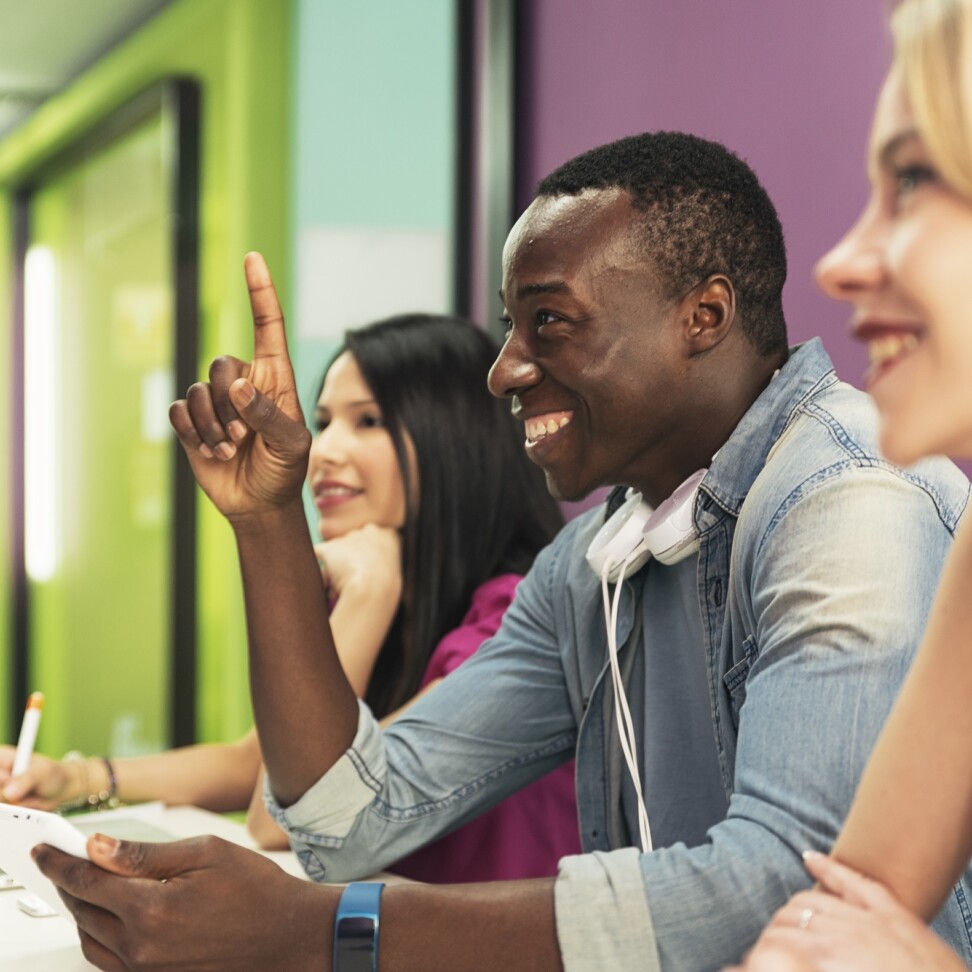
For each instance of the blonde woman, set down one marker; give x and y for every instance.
(904, 268)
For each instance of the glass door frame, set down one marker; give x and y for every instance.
(177, 99)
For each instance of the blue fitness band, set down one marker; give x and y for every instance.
(356, 928)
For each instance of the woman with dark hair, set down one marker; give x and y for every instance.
(430, 512)
(470, 513)
(476, 506)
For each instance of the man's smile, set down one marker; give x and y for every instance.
(540, 427)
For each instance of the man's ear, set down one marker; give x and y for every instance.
(709, 313)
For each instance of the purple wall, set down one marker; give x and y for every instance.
(788, 86)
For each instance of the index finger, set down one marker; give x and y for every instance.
(94, 898)
(844, 882)
(82, 879)
(269, 335)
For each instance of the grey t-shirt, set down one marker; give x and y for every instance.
(680, 775)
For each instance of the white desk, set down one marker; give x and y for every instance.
(51, 944)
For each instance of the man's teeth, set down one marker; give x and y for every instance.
(539, 427)
(890, 346)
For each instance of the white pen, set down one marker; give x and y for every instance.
(28, 733)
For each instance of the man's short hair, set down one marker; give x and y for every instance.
(705, 212)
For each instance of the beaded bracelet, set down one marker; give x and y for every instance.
(106, 799)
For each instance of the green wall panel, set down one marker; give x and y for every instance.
(101, 621)
(238, 52)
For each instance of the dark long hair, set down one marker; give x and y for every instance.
(476, 508)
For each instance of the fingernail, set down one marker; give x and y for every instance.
(107, 845)
(237, 430)
(811, 855)
(245, 392)
(226, 450)
(205, 450)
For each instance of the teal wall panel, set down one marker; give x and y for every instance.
(374, 169)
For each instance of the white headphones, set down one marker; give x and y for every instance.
(636, 532)
(625, 543)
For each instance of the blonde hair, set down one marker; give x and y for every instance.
(933, 52)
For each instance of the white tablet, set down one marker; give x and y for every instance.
(22, 829)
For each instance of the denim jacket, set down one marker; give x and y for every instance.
(817, 566)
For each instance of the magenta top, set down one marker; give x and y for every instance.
(530, 831)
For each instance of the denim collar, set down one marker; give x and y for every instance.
(808, 370)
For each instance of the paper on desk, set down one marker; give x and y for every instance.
(141, 821)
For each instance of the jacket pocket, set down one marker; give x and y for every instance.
(735, 680)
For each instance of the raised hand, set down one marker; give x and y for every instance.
(246, 441)
(243, 430)
(201, 904)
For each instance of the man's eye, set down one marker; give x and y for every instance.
(546, 317)
(507, 325)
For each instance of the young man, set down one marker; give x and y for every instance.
(646, 343)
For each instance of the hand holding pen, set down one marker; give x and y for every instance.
(33, 781)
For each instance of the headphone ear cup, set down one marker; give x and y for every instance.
(670, 532)
(636, 532)
(621, 540)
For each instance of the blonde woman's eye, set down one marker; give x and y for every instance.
(909, 178)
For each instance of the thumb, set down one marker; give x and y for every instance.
(283, 435)
(17, 787)
(132, 858)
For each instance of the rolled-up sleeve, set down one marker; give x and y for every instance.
(608, 887)
(325, 814)
(455, 753)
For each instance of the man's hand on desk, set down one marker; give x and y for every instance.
(205, 903)
(201, 903)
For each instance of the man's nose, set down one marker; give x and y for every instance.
(514, 370)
